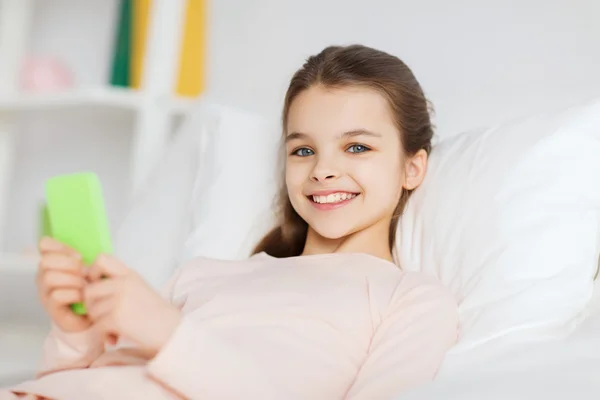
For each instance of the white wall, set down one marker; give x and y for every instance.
(479, 62)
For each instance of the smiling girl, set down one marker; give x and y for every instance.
(319, 311)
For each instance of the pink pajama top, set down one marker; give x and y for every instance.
(331, 326)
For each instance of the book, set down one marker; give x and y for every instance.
(191, 73)
(121, 53)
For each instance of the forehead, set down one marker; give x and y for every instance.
(330, 111)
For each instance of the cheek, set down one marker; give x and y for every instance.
(382, 181)
(294, 177)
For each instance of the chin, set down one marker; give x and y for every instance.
(332, 231)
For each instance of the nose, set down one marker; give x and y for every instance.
(324, 171)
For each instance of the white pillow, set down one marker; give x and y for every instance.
(508, 218)
(234, 194)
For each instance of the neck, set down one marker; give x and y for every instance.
(373, 240)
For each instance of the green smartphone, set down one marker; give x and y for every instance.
(77, 217)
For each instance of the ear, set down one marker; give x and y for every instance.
(415, 168)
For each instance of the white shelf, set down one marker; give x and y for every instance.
(93, 96)
(152, 108)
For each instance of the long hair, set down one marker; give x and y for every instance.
(357, 66)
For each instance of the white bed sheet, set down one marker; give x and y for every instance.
(550, 370)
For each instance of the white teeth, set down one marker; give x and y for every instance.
(333, 198)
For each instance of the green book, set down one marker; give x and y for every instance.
(121, 55)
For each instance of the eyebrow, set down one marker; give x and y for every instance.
(352, 133)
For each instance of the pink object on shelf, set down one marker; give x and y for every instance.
(44, 74)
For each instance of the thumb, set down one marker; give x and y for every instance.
(106, 266)
(112, 339)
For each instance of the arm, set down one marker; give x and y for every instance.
(64, 350)
(410, 344)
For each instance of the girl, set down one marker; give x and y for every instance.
(320, 311)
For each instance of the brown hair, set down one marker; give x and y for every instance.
(354, 65)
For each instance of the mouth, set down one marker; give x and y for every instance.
(332, 200)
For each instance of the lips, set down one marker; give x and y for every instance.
(331, 199)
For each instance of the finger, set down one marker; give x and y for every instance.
(66, 296)
(101, 314)
(106, 266)
(52, 280)
(97, 291)
(94, 273)
(61, 262)
(51, 245)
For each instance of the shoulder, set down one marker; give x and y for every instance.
(423, 303)
(425, 291)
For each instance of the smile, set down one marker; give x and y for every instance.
(332, 200)
(333, 197)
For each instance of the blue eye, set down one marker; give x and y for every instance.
(303, 152)
(358, 148)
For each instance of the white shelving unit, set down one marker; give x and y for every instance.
(89, 97)
(152, 107)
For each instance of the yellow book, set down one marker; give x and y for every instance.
(190, 80)
(139, 29)
(192, 65)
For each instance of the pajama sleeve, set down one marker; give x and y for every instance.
(64, 350)
(254, 355)
(411, 342)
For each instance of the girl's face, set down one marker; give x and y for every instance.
(345, 167)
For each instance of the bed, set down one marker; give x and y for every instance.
(516, 238)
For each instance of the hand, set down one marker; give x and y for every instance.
(124, 306)
(60, 281)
